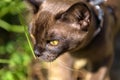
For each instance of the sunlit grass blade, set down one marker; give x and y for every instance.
(22, 21)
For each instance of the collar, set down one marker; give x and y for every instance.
(96, 4)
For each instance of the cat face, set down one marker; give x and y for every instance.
(56, 29)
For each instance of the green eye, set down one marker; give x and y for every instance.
(54, 42)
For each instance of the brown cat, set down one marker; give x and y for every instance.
(83, 29)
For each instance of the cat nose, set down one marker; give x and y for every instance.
(37, 52)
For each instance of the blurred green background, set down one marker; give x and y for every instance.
(16, 58)
(15, 53)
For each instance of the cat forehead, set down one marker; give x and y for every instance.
(58, 29)
(61, 29)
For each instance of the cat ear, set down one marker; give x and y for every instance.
(79, 14)
(35, 4)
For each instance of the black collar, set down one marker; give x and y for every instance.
(96, 4)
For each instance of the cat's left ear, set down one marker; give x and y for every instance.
(78, 13)
(35, 4)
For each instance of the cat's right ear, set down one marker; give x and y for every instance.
(78, 14)
(35, 4)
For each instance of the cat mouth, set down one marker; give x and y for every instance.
(48, 57)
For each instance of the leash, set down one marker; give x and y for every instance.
(96, 4)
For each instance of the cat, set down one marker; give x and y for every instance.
(81, 29)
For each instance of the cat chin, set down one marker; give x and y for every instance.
(47, 58)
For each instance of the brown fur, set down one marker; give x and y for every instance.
(73, 23)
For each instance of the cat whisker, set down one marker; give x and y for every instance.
(68, 67)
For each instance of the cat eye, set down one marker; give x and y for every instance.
(54, 42)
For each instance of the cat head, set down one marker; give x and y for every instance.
(58, 27)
